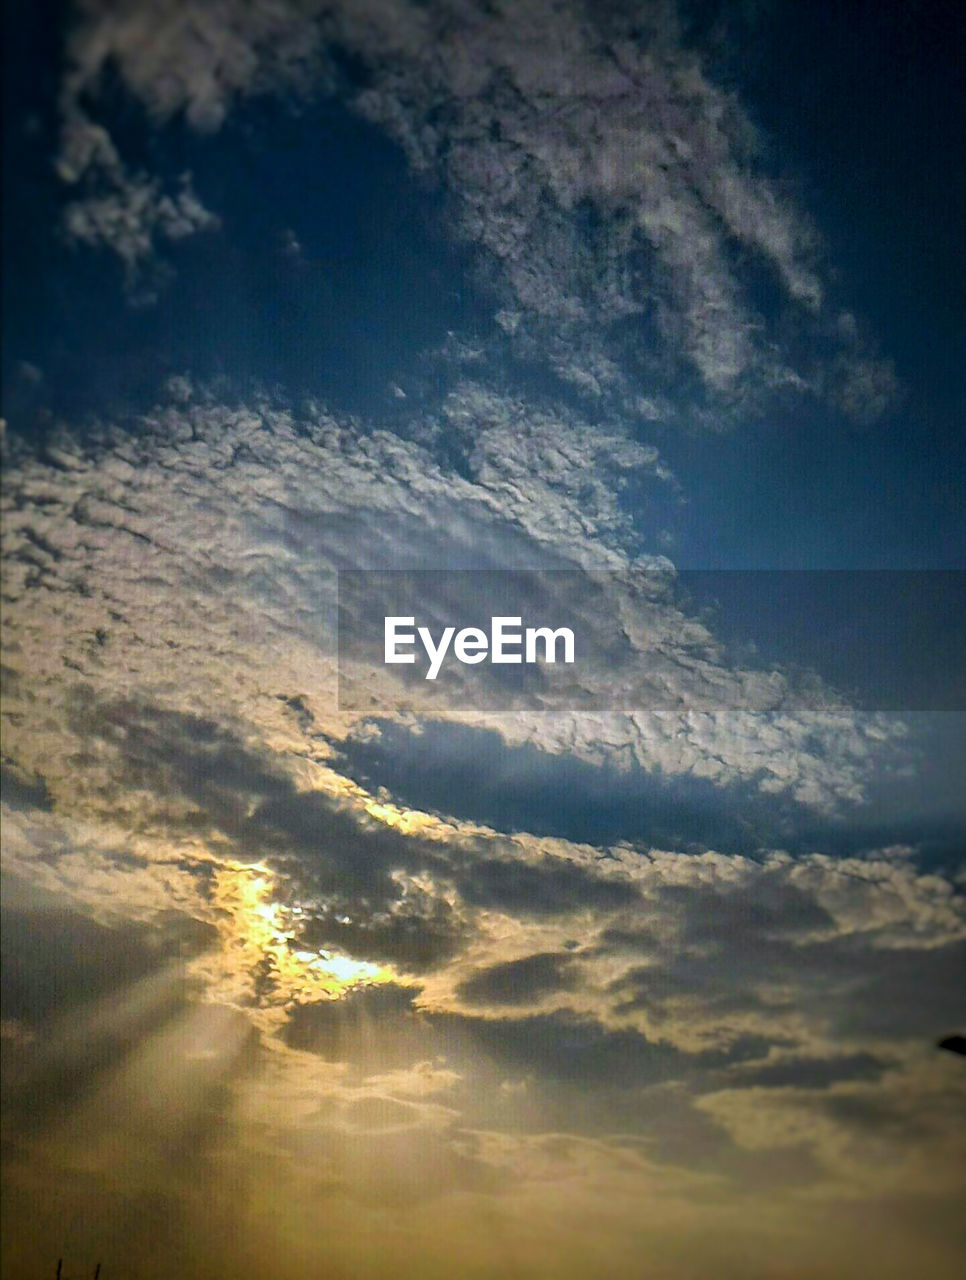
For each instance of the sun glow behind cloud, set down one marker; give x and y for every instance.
(260, 961)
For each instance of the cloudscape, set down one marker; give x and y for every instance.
(339, 332)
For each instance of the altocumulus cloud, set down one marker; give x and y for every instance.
(205, 542)
(171, 662)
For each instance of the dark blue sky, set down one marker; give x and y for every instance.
(373, 282)
(864, 109)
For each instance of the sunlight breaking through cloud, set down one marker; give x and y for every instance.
(259, 960)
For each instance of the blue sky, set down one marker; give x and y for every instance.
(316, 970)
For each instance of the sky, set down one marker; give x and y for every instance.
(648, 317)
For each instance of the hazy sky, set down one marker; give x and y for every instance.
(638, 969)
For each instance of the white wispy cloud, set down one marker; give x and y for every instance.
(132, 215)
(591, 157)
(126, 212)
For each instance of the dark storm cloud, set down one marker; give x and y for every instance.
(376, 1028)
(738, 952)
(773, 936)
(903, 995)
(813, 1073)
(420, 934)
(546, 887)
(22, 791)
(250, 798)
(523, 981)
(773, 911)
(338, 862)
(579, 1050)
(654, 987)
(169, 751)
(333, 849)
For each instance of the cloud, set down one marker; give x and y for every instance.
(169, 630)
(191, 58)
(420, 1040)
(814, 1073)
(195, 59)
(189, 561)
(524, 981)
(546, 886)
(127, 213)
(614, 189)
(612, 184)
(403, 1094)
(885, 1136)
(130, 218)
(864, 388)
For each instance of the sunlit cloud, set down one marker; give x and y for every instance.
(310, 970)
(259, 961)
